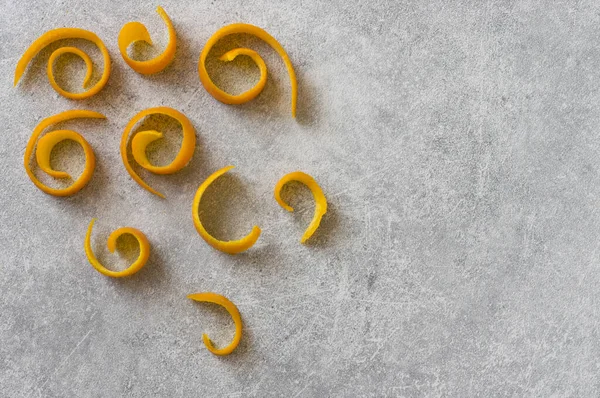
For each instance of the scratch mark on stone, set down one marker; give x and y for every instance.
(314, 293)
(22, 293)
(255, 389)
(380, 301)
(190, 246)
(342, 293)
(305, 386)
(60, 365)
(355, 184)
(381, 343)
(187, 104)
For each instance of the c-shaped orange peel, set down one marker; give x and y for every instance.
(60, 34)
(132, 32)
(320, 200)
(215, 298)
(48, 141)
(142, 139)
(250, 94)
(112, 245)
(231, 247)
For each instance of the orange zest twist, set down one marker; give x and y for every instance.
(142, 139)
(320, 201)
(231, 247)
(49, 141)
(233, 311)
(112, 245)
(60, 34)
(250, 94)
(133, 32)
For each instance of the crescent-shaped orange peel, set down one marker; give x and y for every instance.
(215, 298)
(231, 247)
(320, 200)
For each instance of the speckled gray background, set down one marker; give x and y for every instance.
(456, 141)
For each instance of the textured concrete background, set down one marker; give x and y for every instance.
(456, 143)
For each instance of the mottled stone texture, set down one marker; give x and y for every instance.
(456, 141)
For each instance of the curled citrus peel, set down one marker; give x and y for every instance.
(48, 141)
(132, 32)
(112, 245)
(320, 201)
(231, 247)
(142, 139)
(60, 34)
(215, 298)
(250, 94)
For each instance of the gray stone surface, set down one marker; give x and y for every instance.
(456, 143)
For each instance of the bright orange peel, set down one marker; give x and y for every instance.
(60, 34)
(215, 298)
(48, 141)
(231, 247)
(142, 139)
(133, 32)
(320, 200)
(112, 245)
(250, 94)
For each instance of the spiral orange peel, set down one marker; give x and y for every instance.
(48, 142)
(250, 94)
(142, 139)
(112, 245)
(60, 34)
